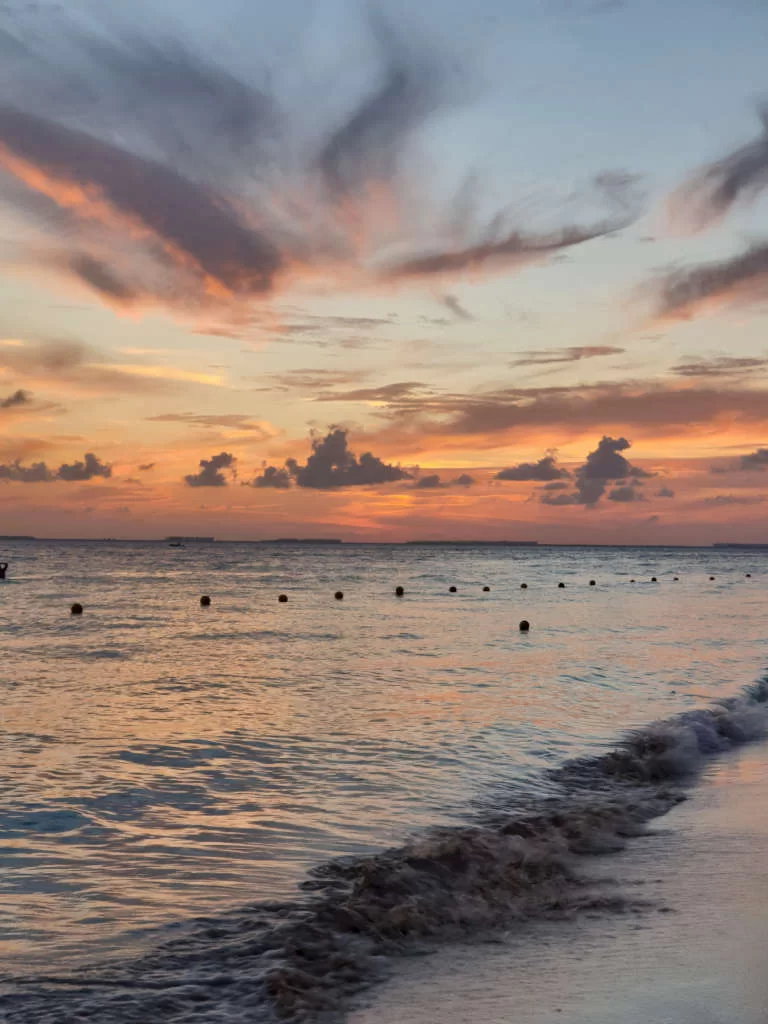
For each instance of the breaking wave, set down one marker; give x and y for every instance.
(304, 959)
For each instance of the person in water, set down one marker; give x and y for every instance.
(3, 568)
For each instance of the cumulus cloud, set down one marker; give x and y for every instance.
(626, 493)
(757, 460)
(280, 479)
(545, 469)
(38, 472)
(572, 354)
(428, 483)
(331, 464)
(19, 397)
(465, 480)
(665, 492)
(211, 474)
(602, 466)
(714, 189)
(91, 467)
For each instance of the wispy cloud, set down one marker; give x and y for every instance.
(689, 292)
(194, 189)
(714, 189)
(573, 354)
(720, 366)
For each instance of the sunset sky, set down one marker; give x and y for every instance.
(485, 271)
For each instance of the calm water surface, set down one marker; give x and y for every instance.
(160, 760)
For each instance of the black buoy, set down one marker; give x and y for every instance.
(525, 626)
(452, 590)
(561, 586)
(523, 586)
(654, 580)
(749, 575)
(676, 579)
(486, 590)
(592, 583)
(339, 595)
(711, 578)
(631, 581)
(77, 609)
(3, 570)
(399, 591)
(283, 599)
(205, 601)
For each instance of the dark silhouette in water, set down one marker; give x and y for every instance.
(525, 626)
(486, 590)
(399, 591)
(77, 609)
(523, 586)
(676, 579)
(339, 595)
(593, 583)
(3, 570)
(561, 586)
(711, 578)
(452, 590)
(283, 598)
(205, 601)
(654, 580)
(749, 575)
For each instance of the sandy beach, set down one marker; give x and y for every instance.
(696, 957)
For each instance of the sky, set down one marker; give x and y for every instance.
(333, 269)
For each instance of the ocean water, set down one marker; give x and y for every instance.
(169, 774)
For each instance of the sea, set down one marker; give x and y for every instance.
(252, 810)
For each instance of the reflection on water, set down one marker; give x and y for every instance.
(160, 759)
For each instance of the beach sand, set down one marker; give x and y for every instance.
(697, 957)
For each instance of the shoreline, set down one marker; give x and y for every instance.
(694, 956)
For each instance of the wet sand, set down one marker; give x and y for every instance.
(697, 956)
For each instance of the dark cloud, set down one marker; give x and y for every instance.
(211, 474)
(38, 472)
(650, 407)
(147, 467)
(720, 366)
(452, 303)
(102, 278)
(280, 479)
(195, 228)
(603, 466)
(19, 397)
(428, 483)
(465, 480)
(556, 485)
(512, 249)
(684, 293)
(755, 460)
(88, 469)
(714, 189)
(734, 499)
(545, 469)
(665, 492)
(573, 354)
(627, 493)
(332, 465)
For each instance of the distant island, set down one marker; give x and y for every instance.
(303, 540)
(746, 547)
(16, 537)
(190, 540)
